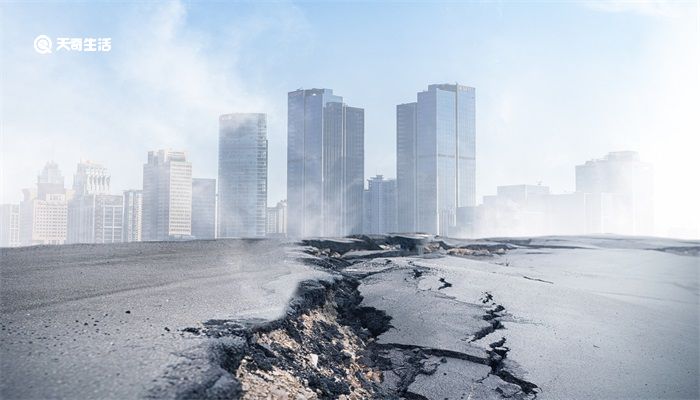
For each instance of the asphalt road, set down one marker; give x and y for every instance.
(101, 321)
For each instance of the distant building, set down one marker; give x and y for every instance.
(44, 210)
(167, 196)
(277, 219)
(325, 164)
(380, 205)
(242, 175)
(621, 190)
(515, 210)
(203, 208)
(94, 215)
(436, 155)
(9, 225)
(133, 215)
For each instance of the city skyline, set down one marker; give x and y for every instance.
(552, 106)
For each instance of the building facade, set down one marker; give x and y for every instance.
(203, 208)
(380, 206)
(436, 159)
(44, 210)
(242, 175)
(133, 215)
(94, 215)
(167, 196)
(277, 220)
(9, 225)
(325, 164)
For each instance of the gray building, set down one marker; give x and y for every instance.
(277, 220)
(167, 196)
(436, 153)
(133, 215)
(203, 208)
(380, 205)
(325, 164)
(242, 175)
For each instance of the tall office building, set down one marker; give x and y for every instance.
(94, 215)
(9, 225)
(277, 220)
(167, 196)
(325, 164)
(436, 153)
(619, 190)
(133, 215)
(203, 208)
(242, 175)
(44, 210)
(380, 205)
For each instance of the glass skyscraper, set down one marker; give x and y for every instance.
(436, 149)
(325, 164)
(242, 175)
(167, 196)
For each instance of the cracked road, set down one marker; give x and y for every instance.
(576, 317)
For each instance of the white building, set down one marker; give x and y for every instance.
(167, 196)
(9, 225)
(44, 210)
(620, 188)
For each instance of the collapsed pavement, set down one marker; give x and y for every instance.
(330, 344)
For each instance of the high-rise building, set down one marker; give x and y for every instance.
(167, 196)
(242, 175)
(44, 210)
(94, 215)
(277, 219)
(325, 164)
(203, 208)
(133, 215)
(380, 205)
(9, 225)
(436, 153)
(620, 188)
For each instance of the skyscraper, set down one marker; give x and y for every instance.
(133, 215)
(44, 210)
(380, 205)
(325, 164)
(167, 196)
(94, 215)
(436, 152)
(242, 175)
(203, 208)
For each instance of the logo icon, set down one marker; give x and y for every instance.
(42, 44)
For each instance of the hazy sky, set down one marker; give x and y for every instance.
(557, 83)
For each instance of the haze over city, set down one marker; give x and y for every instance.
(556, 85)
